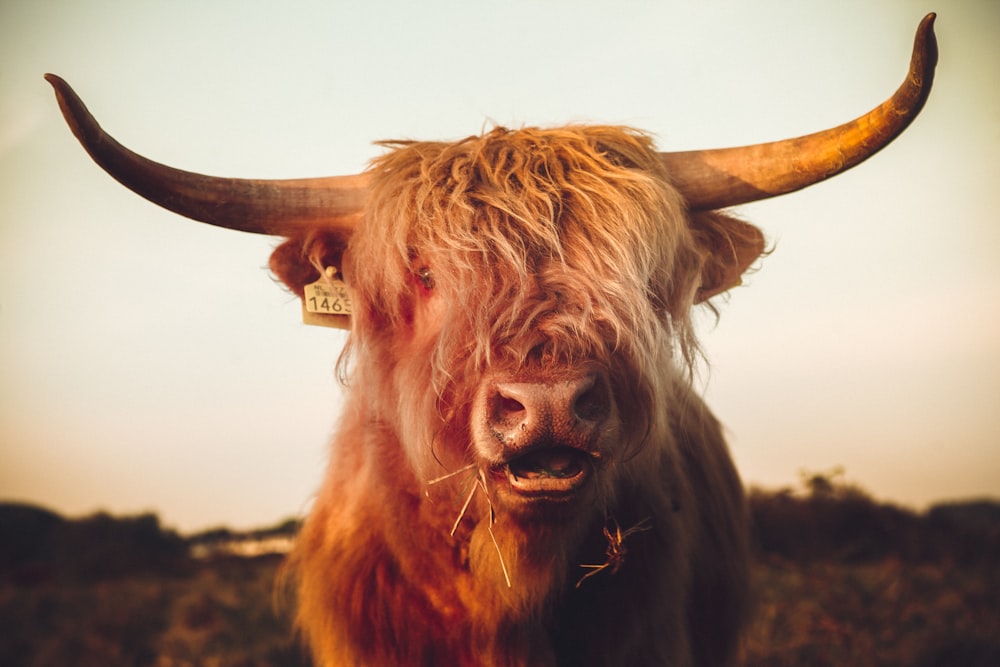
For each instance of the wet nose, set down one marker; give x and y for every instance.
(564, 411)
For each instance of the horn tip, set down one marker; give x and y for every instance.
(926, 39)
(925, 54)
(57, 82)
(75, 112)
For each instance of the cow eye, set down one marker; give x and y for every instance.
(426, 278)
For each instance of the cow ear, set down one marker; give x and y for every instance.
(728, 246)
(301, 260)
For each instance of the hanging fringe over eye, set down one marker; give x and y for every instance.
(616, 548)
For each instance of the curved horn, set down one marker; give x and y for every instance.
(258, 206)
(712, 179)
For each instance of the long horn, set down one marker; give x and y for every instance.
(259, 206)
(712, 179)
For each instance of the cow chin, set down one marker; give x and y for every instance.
(525, 548)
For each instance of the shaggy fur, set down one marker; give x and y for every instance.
(535, 257)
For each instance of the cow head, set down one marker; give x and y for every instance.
(528, 286)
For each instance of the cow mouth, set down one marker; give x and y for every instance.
(549, 471)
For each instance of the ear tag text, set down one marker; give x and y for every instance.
(326, 302)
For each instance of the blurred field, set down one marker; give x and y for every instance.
(840, 580)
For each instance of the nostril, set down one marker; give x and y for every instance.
(507, 409)
(592, 404)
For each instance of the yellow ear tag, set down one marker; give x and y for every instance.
(326, 303)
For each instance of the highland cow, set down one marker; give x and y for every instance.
(523, 474)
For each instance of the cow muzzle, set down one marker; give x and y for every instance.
(543, 437)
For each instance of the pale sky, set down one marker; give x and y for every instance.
(149, 363)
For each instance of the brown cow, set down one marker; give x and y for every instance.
(523, 474)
